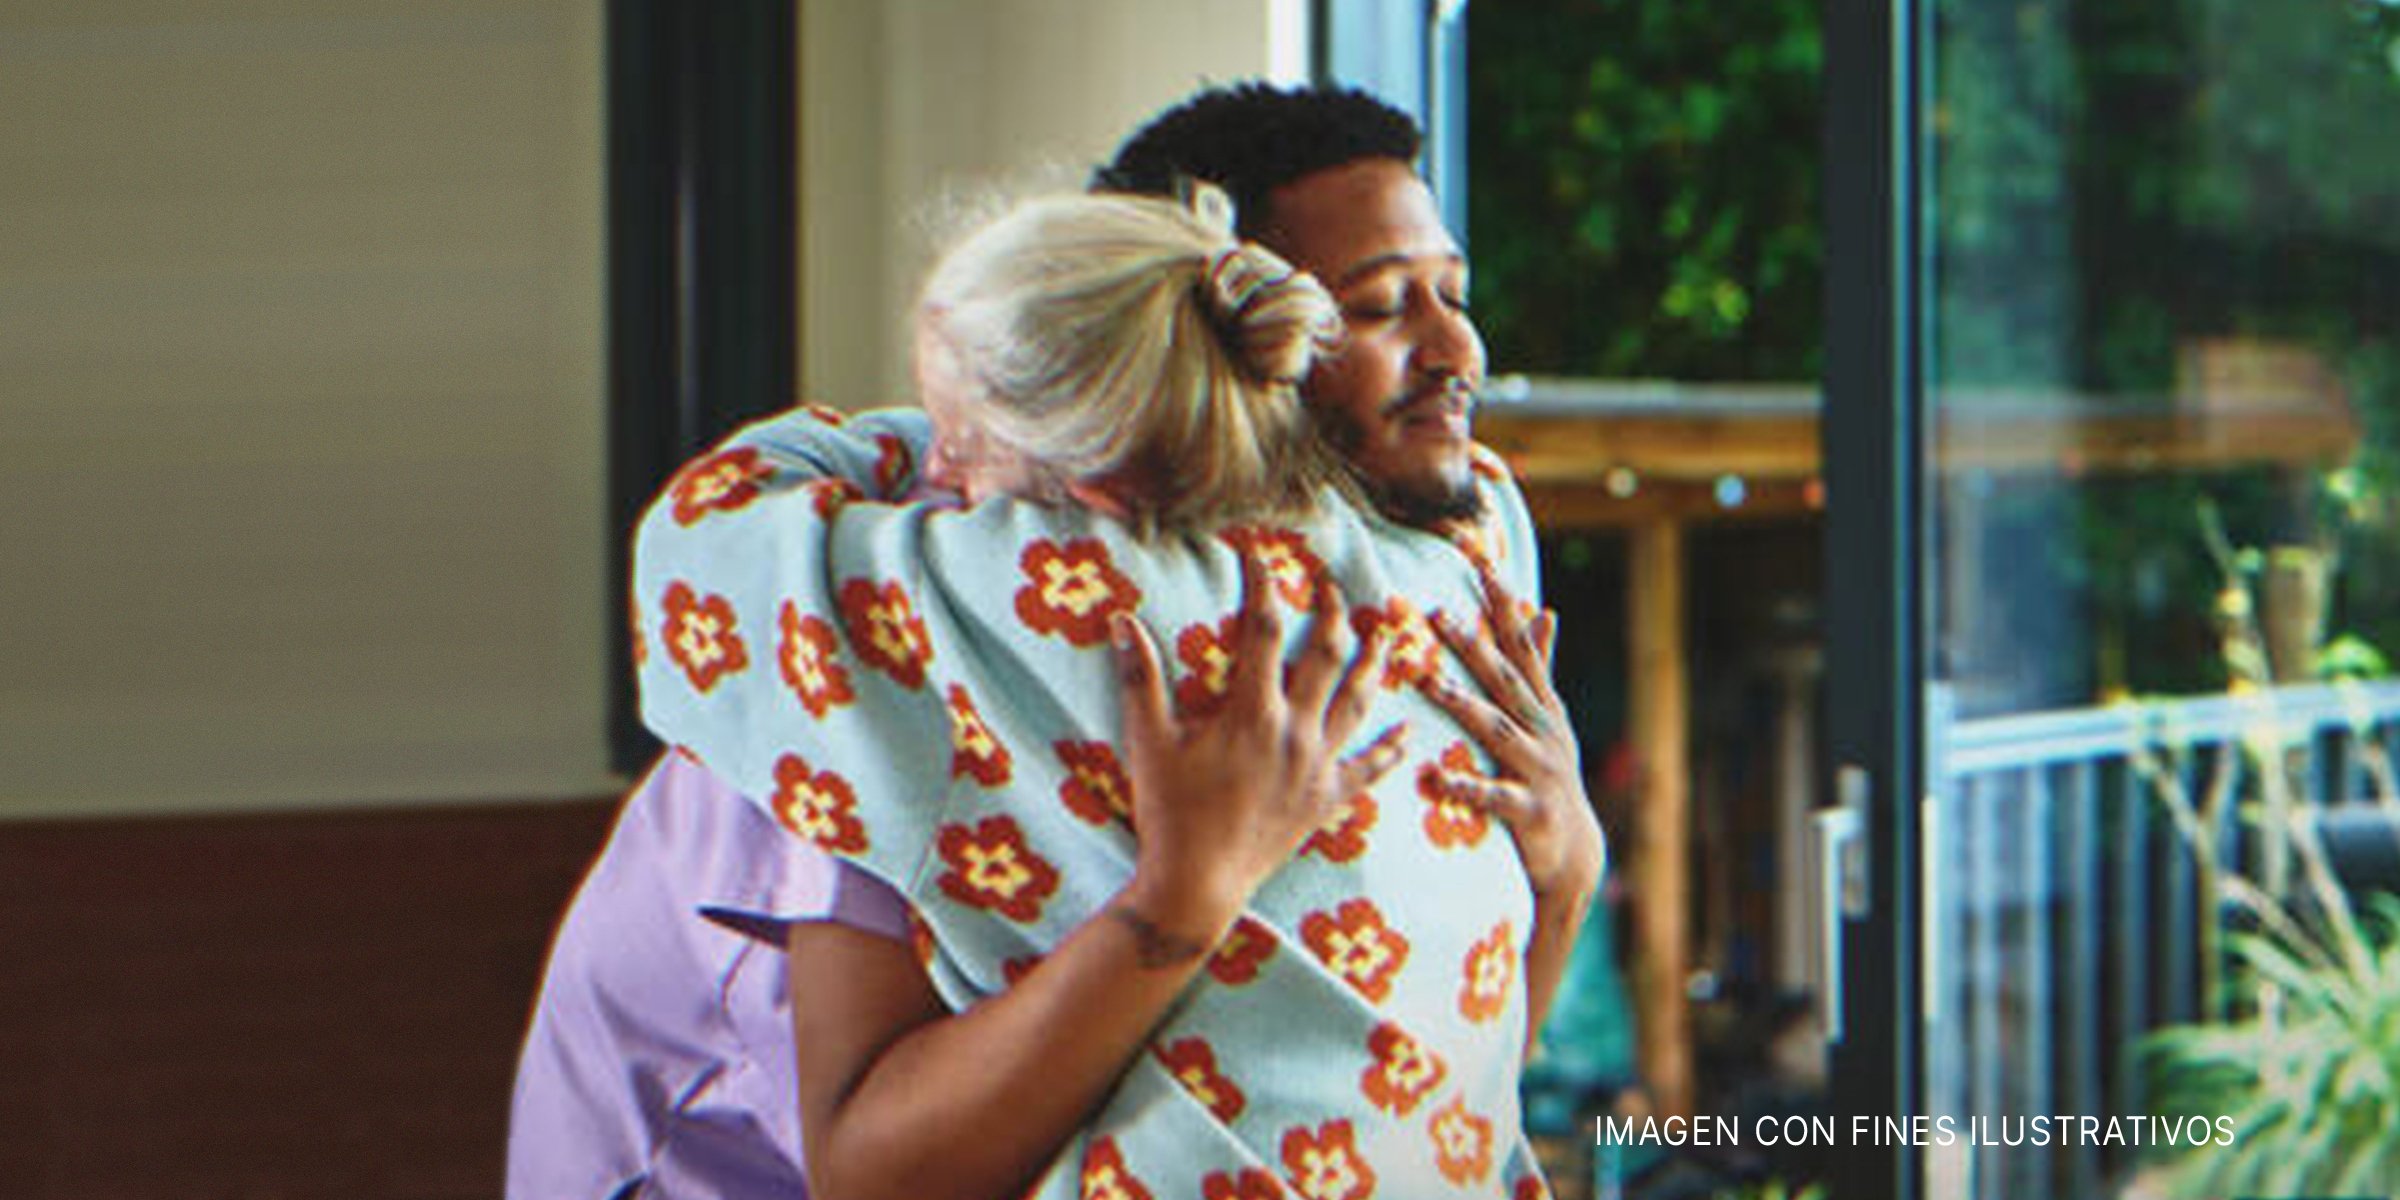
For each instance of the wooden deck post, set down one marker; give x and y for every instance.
(1660, 863)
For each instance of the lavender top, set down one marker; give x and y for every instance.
(659, 1063)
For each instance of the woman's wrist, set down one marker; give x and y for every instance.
(1172, 922)
(1574, 884)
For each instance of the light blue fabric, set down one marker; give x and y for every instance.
(1003, 859)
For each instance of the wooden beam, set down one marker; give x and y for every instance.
(1550, 447)
(1661, 824)
(1579, 507)
(1564, 446)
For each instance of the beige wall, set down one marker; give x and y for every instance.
(300, 402)
(908, 106)
(301, 382)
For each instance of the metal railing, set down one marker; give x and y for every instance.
(2063, 905)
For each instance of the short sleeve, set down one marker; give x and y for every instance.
(752, 876)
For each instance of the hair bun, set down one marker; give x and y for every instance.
(1275, 318)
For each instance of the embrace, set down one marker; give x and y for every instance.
(1135, 775)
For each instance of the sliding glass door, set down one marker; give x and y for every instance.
(2113, 379)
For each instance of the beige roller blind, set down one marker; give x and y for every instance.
(301, 403)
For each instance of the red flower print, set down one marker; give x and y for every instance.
(1462, 1144)
(1105, 1176)
(1015, 969)
(1343, 835)
(633, 623)
(805, 656)
(827, 496)
(818, 805)
(1291, 566)
(1070, 590)
(700, 638)
(973, 749)
(892, 467)
(1237, 959)
(1411, 650)
(721, 482)
(1251, 1184)
(1490, 969)
(1451, 823)
(1356, 943)
(1207, 655)
(885, 631)
(1530, 1187)
(1325, 1164)
(991, 867)
(1404, 1071)
(1194, 1065)
(1096, 788)
(826, 415)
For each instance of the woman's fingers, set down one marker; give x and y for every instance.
(1514, 624)
(1524, 639)
(1348, 708)
(1507, 800)
(1506, 615)
(1141, 685)
(1362, 770)
(1257, 642)
(1495, 730)
(1503, 682)
(1309, 685)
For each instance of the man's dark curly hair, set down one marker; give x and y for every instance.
(1251, 138)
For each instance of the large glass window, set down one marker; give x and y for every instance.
(2162, 374)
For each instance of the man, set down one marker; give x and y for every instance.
(1329, 183)
(674, 1081)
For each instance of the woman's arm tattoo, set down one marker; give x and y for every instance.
(1155, 947)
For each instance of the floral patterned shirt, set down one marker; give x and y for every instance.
(926, 691)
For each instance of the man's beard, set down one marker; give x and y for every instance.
(1422, 504)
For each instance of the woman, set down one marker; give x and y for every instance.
(1066, 940)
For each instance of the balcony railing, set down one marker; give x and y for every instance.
(2064, 905)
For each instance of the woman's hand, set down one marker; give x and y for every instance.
(1522, 724)
(889, 1078)
(1221, 802)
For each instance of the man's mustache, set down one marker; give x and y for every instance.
(1444, 387)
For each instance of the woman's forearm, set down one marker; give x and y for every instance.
(975, 1106)
(900, 1099)
(1557, 919)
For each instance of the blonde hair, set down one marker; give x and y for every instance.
(1136, 343)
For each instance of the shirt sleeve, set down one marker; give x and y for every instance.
(755, 878)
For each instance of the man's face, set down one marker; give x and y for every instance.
(1396, 398)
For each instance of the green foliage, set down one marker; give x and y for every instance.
(2351, 657)
(1773, 1189)
(2301, 1054)
(2310, 1077)
(2110, 181)
(1645, 186)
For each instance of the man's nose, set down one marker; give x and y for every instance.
(1448, 344)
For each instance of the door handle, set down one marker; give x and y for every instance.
(1841, 882)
